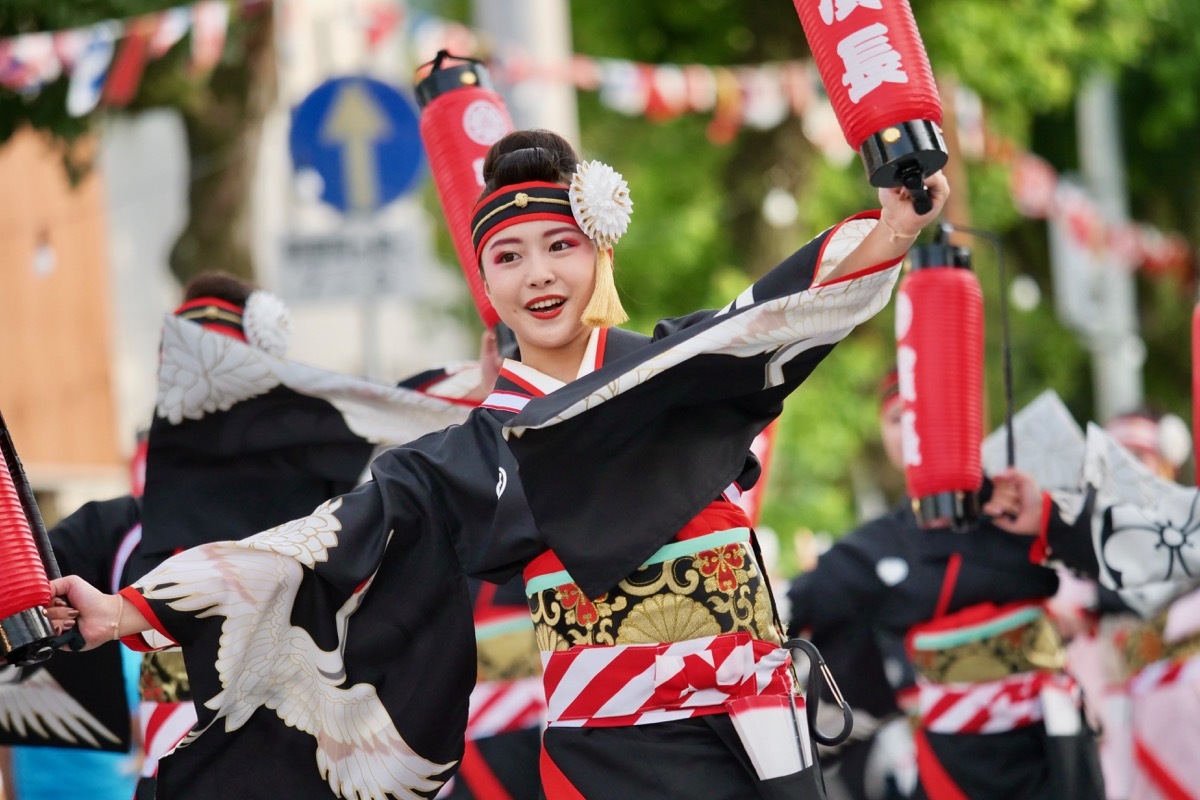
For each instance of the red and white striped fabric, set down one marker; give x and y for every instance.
(1162, 673)
(503, 706)
(1165, 706)
(989, 706)
(163, 726)
(606, 686)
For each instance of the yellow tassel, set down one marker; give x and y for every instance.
(604, 310)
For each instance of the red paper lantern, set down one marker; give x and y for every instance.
(875, 70)
(939, 360)
(461, 117)
(25, 631)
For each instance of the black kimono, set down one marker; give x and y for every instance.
(241, 440)
(507, 708)
(58, 703)
(970, 607)
(336, 653)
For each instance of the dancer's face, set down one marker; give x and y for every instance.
(539, 276)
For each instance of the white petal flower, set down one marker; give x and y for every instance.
(600, 202)
(267, 323)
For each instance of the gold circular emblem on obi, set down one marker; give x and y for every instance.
(211, 312)
(468, 78)
(521, 200)
(891, 135)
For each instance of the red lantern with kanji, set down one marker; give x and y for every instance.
(873, 64)
(25, 631)
(939, 362)
(461, 117)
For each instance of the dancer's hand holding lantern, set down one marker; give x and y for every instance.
(873, 64)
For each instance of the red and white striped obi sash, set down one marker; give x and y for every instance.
(606, 686)
(1163, 673)
(508, 693)
(504, 706)
(163, 726)
(992, 706)
(991, 669)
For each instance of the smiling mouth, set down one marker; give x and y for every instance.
(546, 306)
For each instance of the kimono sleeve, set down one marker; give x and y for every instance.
(797, 273)
(1066, 532)
(334, 651)
(1126, 527)
(663, 431)
(1141, 552)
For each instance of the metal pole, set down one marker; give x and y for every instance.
(538, 32)
(1117, 350)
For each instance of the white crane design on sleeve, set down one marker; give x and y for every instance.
(36, 703)
(265, 660)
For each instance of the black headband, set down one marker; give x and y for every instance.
(519, 202)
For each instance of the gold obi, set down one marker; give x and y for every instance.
(506, 649)
(703, 586)
(1143, 644)
(163, 678)
(1012, 642)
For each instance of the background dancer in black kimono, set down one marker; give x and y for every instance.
(235, 447)
(878, 761)
(241, 440)
(336, 652)
(969, 606)
(74, 717)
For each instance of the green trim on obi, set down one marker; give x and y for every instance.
(974, 633)
(709, 541)
(489, 630)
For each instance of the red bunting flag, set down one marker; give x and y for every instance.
(125, 75)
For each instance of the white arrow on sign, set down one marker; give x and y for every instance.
(355, 122)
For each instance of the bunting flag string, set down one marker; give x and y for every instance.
(763, 96)
(105, 63)
(1039, 192)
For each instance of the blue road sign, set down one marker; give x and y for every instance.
(362, 137)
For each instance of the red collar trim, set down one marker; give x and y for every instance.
(524, 385)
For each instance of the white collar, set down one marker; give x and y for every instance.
(546, 384)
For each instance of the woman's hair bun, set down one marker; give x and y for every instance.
(532, 155)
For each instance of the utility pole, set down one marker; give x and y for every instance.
(1117, 349)
(536, 33)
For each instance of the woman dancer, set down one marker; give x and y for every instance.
(600, 467)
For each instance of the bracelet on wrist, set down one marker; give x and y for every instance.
(894, 235)
(116, 634)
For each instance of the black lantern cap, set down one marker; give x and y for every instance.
(904, 155)
(442, 78)
(940, 253)
(956, 511)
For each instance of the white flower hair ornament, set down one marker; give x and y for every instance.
(600, 202)
(601, 206)
(267, 323)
